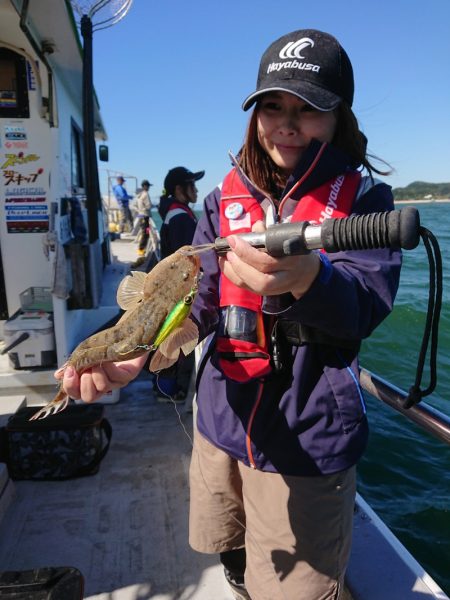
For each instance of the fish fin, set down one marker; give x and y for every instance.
(51, 408)
(160, 361)
(191, 337)
(183, 338)
(131, 290)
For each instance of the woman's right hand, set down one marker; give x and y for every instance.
(99, 380)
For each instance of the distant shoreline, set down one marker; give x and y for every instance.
(437, 201)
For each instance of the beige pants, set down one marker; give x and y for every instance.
(296, 530)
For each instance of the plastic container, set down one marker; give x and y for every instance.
(31, 338)
(36, 298)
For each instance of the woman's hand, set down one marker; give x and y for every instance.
(263, 274)
(99, 380)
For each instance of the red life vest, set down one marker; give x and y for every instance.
(243, 360)
(175, 204)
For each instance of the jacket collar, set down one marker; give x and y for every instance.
(252, 188)
(320, 163)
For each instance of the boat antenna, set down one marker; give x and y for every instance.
(112, 11)
(93, 15)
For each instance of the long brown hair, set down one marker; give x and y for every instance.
(349, 138)
(261, 169)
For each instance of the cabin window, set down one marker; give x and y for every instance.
(13, 85)
(77, 161)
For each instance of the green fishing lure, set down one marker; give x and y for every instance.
(175, 318)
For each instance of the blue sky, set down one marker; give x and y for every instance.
(171, 77)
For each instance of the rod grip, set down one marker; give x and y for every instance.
(391, 229)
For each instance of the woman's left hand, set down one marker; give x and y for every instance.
(263, 274)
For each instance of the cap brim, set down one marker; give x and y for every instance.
(318, 97)
(198, 175)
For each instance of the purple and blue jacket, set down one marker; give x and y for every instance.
(309, 418)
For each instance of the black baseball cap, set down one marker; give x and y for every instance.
(180, 176)
(310, 64)
(146, 182)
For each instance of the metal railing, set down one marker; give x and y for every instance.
(430, 419)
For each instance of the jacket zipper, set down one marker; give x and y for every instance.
(248, 442)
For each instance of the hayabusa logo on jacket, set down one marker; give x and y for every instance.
(294, 49)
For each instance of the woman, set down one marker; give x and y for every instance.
(179, 220)
(281, 419)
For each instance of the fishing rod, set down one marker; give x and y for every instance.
(391, 229)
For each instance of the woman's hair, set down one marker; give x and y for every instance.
(351, 140)
(184, 186)
(261, 169)
(257, 164)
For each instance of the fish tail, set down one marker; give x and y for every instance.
(59, 403)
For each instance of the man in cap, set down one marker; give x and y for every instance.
(123, 199)
(143, 207)
(179, 221)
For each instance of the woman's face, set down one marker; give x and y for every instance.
(286, 125)
(191, 192)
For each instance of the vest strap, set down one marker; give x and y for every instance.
(298, 334)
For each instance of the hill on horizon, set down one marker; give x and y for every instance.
(419, 190)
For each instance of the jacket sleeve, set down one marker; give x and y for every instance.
(356, 290)
(206, 305)
(121, 193)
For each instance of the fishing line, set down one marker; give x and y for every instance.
(172, 401)
(210, 492)
(431, 330)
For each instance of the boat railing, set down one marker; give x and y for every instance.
(427, 417)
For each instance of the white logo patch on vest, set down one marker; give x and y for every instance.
(237, 218)
(234, 210)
